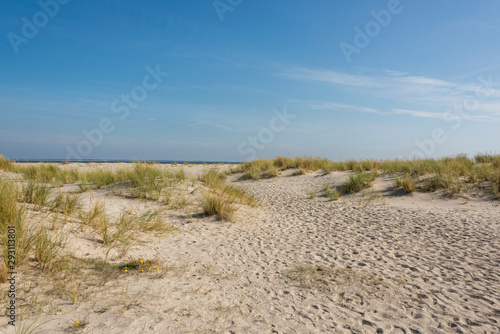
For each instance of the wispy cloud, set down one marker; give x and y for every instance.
(342, 107)
(332, 77)
(416, 96)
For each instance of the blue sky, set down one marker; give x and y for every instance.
(424, 79)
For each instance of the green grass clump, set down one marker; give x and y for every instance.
(47, 249)
(257, 169)
(67, 204)
(213, 178)
(358, 182)
(407, 183)
(6, 164)
(333, 194)
(36, 194)
(486, 157)
(48, 173)
(299, 171)
(218, 205)
(100, 177)
(151, 221)
(10, 212)
(94, 216)
(13, 215)
(311, 194)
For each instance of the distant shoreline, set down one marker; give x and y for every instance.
(161, 162)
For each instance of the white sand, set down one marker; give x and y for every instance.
(404, 264)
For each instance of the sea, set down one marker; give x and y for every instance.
(163, 162)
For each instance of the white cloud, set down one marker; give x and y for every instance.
(417, 96)
(332, 77)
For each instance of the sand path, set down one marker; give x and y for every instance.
(302, 265)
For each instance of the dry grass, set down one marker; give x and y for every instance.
(67, 204)
(358, 182)
(333, 194)
(10, 212)
(451, 174)
(13, 215)
(47, 248)
(151, 221)
(311, 194)
(6, 164)
(218, 205)
(407, 183)
(36, 193)
(94, 216)
(3, 273)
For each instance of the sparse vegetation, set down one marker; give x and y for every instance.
(358, 182)
(333, 194)
(6, 164)
(218, 205)
(407, 183)
(94, 216)
(47, 248)
(151, 221)
(13, 214)
(36, 194)
(67, 204)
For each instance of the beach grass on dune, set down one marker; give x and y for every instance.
(13, 214)
(453, 175)
(358, 182)
(218, 205)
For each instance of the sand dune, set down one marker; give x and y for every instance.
(295, 264)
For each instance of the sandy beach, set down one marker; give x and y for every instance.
(377, 262)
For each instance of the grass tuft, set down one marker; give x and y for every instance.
(333, 194)
(218, 205)
(407, 183)
(36, 194)
(6, 164)
(358, 182)
(47, 249)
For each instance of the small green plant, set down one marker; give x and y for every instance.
(358, 182)
(407, 183)
(433, 183)
(36, 194)
(6, 164)
(47, 249)
(325, 188)
(333, 194)
(311, 194)
(151, 221)
(218, 205)
(84, 186)
(66, 204)
(140, 265)
(94, 216)
(12, 214)
(495, 190)
(299, 171)
(29, 327)
(119, 233)
(180, 202)
(213, 179)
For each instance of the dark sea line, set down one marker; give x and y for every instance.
(163, 162)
